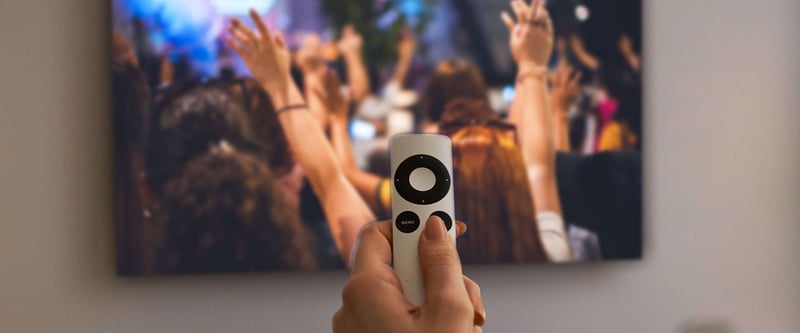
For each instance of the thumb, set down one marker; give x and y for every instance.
(441, 271)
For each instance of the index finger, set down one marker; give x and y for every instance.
(373, 247)
(266, 36)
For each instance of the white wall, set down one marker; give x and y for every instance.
(722, 185)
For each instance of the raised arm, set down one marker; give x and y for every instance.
(267, 57)
(583, 55)
(329, 90)
(531, 46)
(405, 55)
(350, 46)
(565, 91)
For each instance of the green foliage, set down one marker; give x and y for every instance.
(379, 45)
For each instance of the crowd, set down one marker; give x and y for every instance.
(261, 172)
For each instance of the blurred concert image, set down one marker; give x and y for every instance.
(214, 173)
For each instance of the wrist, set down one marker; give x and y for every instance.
(535, 73)
(352, 55)
(530, 66)
(284, 96)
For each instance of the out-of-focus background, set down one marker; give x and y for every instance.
(722, 179)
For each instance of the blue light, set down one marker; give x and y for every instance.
(508, 93)
(362, 130)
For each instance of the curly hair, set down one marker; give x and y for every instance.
(186, 126)
(265, 125)
(224, 213)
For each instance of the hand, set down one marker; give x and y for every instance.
(407, 45)
(566, 88)
(265, 54)
(351, 42)
(309, 56)
(373, 300)
(531, 36)
(327, 88)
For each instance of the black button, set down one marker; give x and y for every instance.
(448, 222)
(402, 181)
(407, 222)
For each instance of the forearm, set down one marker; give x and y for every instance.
(531, 115)
(357, 75)
(401, 70)
(537, 142)
(561, 128)
(364, 182)
(343, 207)
(586, 58)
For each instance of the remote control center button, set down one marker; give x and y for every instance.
(407, 222)
(422, 179)
(448, 221)
(425, 164)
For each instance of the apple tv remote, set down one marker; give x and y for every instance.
(422, 186)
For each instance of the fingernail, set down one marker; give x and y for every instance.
(434, 228)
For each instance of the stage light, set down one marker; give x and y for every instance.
(582, 12)
(242, 7)
(362, 130)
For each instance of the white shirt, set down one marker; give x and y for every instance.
(553, 235)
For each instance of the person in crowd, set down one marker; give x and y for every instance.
(130, 108)
(452, 78)
(622, 132)
(268, 59)
(224, 212)
(184, 126)
(565, 91)
(491, 182)
(290, 175)
(350, 46)
(531, 45)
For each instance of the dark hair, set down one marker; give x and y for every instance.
(263, 120)
(129, 111)
(187, 126)
(224, 212)
(452, 78)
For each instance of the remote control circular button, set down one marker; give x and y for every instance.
(422, 179)
(402, 180)
(448, 222)
(407, 222)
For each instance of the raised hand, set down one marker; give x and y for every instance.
(566, 88)
(351, 41)
(531, 39)
(407, 45)
(265, 54)
(309, 56)
(327, 88)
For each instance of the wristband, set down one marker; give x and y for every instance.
(537, 73)
(291, 107)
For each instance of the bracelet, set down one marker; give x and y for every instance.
(291, 107)
(537, 73)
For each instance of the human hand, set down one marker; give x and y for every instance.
(310, 57)
(350, 43)
(566, 88)
(406, 45)
(626, 48)
(531, 39)
(373, 300)
(266, 55)
(327, 88)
